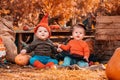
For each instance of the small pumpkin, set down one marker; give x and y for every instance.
(26, 28)
(54, 27)
(113, 66)
(22, 60)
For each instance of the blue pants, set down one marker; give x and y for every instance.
(69, 61)
(43, 59)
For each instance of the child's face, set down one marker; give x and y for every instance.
(78, 33)
(42, 33)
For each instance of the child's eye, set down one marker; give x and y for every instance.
(40, 31)
(80, 33)
(45, 31)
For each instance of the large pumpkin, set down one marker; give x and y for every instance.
(22, 59)
(113, 66)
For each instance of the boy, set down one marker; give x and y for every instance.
(42, 46)
(78, 49)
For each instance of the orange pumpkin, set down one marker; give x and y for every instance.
(22, 59)
(54, 27)
(113, 66)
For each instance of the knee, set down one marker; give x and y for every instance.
(32, 60)
(54, 61)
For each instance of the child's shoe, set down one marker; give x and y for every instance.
(38, 64)
(51, 65)
(83, 64)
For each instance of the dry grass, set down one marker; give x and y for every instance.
(21, 73)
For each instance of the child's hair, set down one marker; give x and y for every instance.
(79, 26)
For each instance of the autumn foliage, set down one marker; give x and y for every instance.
(29, 12)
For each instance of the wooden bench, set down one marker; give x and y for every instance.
(60, 36)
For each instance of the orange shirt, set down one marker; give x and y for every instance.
(78, 47)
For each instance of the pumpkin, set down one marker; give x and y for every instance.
(113, 66)
(54, 27)
(22, 60)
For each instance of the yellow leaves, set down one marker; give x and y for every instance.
(111, 5)
(90, 5)
(62, 8)
(11, 1)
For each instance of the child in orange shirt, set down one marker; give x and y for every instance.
(78, 49)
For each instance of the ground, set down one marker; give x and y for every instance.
(16, 72)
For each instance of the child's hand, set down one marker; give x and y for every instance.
(59, 50)
(86, 58)
(57, 44)
(23, 51)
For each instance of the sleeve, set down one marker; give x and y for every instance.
(54, 49)
(31, 47)
(86, 50)
(66, 47)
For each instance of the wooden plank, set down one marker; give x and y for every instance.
(53, 31)
(60, 36)
(108, 31)
(107, 26)
(31, 31)
(53, 37)
(19, 42)
(108, 19)
(107, 37)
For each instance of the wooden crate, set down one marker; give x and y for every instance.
(107, 28)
